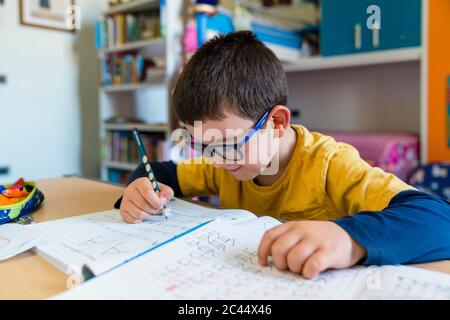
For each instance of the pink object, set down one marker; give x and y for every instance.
(190, 39)
(397, 153)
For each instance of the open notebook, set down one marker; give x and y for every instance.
(102, 240)
(218, 261)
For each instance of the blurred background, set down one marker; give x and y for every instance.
(76, 75)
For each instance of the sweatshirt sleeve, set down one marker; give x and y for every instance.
(352, 185)
(165, 172)
(413, 228)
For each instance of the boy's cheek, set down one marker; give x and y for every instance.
(258, 155)
(251, 167)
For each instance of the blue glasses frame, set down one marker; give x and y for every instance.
(225, 150)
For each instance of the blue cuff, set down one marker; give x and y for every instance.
(414, 228)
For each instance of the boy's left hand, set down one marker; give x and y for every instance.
(309, 247)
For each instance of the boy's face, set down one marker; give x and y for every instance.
(257, 153)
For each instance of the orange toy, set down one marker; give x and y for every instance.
(15, 193)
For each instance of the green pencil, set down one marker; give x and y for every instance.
(148, 168)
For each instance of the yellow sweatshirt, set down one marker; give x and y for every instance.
(324, 180)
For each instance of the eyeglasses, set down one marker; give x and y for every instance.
(230, 152)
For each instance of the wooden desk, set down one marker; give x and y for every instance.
(28, 276)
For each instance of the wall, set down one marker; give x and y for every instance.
(368, 98)
(48, 109)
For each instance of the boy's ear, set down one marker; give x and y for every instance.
(281, 118)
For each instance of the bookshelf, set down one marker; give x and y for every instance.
(131, 87)
(136, 45)
(379, 91)
(145, 98)
(140, 127)
(130, 167)
(354, 60)
(133, 6)
(395, 90)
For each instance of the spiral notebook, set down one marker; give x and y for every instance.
(102, 241)
(204, 253)
(219, 261)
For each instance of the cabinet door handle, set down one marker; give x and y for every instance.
(376, 38)
(358, 36)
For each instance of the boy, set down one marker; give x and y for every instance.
(343, 211)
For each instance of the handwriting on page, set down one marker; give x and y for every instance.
(15, 239)
(220, 264)
(411, 283)
(217, 261)
(408, 288)
(99, 236)
(102, 235)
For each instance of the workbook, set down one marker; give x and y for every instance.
(218, 261)
(15, 239)
(101, 241)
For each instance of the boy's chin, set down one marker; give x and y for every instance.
(246, 175)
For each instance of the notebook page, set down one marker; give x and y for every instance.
(401, 282)
(105, 239)
(15, 239)
(217, 261)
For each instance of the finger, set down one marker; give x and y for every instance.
(315, 264)
(166, 193)
(281, 247)
(146, 190)
(135, 213)
(124, 206)
(128, 218)
(264, 248)
(298, 255)
(140, 203)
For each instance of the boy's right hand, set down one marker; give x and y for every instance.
(140, 200)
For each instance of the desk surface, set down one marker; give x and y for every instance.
(28, 276)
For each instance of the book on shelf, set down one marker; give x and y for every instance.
(291, 31)
(154, 73)
(121, 147)
(119, 29)
(119, 69)
(115, 3)
(119, 176)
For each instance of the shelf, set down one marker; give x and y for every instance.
(133, 86)
(354, 60)
(120, 165)
(140, 127)
(133, 6)
(133, 46)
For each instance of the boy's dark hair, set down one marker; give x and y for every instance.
(234, 71)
